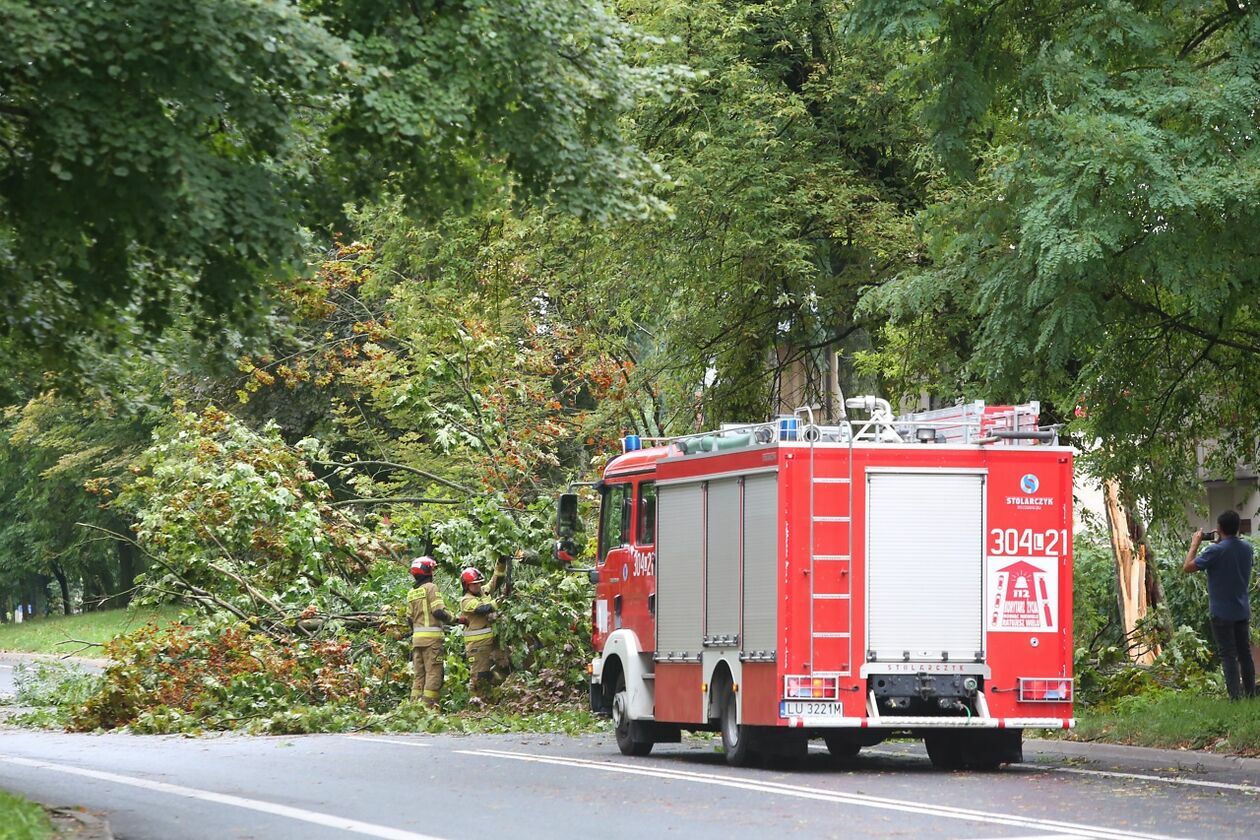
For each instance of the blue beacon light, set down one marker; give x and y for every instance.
(631, 443)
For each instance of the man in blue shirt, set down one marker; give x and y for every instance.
(1228, 566)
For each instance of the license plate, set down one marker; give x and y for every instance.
(806, 708)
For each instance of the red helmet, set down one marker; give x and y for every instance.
(423, 566)
(470, 576)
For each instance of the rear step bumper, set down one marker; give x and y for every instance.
(908, 722)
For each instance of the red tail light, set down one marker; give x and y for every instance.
(807, 687)
(1045, 690)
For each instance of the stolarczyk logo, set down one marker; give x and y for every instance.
(1029, 484)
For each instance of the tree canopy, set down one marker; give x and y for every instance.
(1095, 244)
(162, 161)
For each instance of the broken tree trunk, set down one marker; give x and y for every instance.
(1133, 561)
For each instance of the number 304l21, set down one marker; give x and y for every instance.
(1016, 541)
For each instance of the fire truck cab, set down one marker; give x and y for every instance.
(790, 580)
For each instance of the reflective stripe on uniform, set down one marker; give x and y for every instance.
(477, 637)
(426, 633)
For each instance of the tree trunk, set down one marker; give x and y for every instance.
(128, 567)
(37, 585)
(95, 590)
(1154, 587)
(1134, 564)
(60, 574)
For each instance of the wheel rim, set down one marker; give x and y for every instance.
(730, 728)
(621, 720)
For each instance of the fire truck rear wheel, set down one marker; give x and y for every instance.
(623, 726)
(841, 747)
(985, 750)
(735, 737)
(945, 750)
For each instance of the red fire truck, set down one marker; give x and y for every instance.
(791, 580)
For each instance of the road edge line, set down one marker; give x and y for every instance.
(276, 809)
(839, 797)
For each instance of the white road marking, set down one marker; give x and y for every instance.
(399, 741)
(327, 820)
(7, 667)
(1055, 827)
(1115, 774)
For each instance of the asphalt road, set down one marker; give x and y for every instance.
(456, 787)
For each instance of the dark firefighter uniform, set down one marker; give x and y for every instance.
(477, 612)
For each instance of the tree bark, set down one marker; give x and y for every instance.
(60, 574)
(128, 567)
(1133, 569)
(39, 596)
(95, 589)
(1154, 587)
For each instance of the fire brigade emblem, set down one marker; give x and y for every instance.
(1029, 484)
(1021, 599)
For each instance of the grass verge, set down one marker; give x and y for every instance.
(1175, 721)
(22, 820)
(50, 635)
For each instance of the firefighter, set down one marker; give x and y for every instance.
(427, 613)
(477, 612)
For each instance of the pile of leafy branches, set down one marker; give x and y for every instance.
(1105, 675)
(214, 674)
(297, 605)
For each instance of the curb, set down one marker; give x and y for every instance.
(78, 824)
(1179, 758)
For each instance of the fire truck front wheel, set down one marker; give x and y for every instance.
(735, 737)
(629, 738)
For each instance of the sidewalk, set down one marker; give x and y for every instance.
(1151, 759)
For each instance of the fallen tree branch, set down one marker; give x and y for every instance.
(201, 594)
(82, 643)
(249, 588)
(414, 500)
(395, 466)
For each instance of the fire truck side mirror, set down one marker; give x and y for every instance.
(568, 526)
(567, 523)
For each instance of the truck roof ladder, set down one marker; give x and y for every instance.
(835, 564)
(971, 423)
